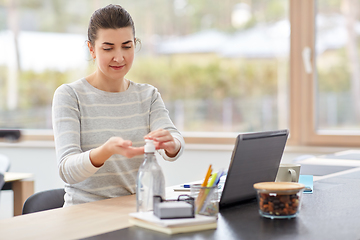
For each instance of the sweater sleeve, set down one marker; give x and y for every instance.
(159, 118)
(74, 165)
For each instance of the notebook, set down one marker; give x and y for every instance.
(256, 158)
(172, 226)
(308, 181)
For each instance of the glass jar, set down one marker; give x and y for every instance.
(279, 199)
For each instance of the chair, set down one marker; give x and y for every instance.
(45, 200)
(4, 167)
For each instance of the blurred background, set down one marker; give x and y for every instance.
(222, 67)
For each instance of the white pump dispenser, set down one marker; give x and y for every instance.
(149, 146)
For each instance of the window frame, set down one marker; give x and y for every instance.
(303, 85)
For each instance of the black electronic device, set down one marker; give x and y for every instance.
(256, 158)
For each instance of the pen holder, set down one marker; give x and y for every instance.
(206, 200)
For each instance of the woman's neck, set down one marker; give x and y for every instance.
(100, 82)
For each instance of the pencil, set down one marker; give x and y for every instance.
(200, 197)
(207, 176)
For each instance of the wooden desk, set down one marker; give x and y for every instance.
(72, 222)
(330, 212)
(22, 186)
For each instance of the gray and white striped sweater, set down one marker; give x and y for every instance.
(85, 117)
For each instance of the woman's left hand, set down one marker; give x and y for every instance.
(164, 140)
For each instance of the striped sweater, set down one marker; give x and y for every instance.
(85, 117)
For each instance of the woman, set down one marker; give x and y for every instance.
(100, 121)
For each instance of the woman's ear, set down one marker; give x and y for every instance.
(91, 49)
(137, 42)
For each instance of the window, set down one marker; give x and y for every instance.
(222, 67)
(324, 74)
(212, 76)
(338, 66)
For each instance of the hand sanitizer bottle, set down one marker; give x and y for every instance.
(150, 180)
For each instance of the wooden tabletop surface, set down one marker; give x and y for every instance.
(12, 176)
(72, 222)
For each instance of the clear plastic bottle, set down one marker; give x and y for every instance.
(150, 180)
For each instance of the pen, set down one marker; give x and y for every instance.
(186, 186)
(212, 180)
(219, 175)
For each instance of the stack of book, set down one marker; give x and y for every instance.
(172, 226)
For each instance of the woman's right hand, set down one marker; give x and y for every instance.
(115, 145)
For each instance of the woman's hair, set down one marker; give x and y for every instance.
(109, 17)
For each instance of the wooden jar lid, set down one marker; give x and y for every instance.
(279, 186)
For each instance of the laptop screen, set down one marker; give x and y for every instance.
(255, 158)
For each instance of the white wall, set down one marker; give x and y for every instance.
(39, 161)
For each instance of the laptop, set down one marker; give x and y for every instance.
(256, 158)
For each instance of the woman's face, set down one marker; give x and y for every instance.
(114, 51)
